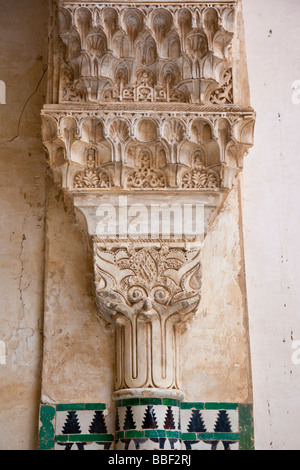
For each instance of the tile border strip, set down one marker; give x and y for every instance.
(65, 438)
(246, 427)
(148, 434)
(210, 436)
(245, 436)
(81, 407)
(47, 428)
(147, 401)
(209, 406)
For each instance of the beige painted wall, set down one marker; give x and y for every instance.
(272, 219)
(78, 347)
(22, 193)
(215, 347)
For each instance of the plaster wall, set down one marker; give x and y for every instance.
(215, 346)
(78, 347)
(23, 61)
(271, 194)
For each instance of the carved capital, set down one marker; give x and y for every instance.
(147, 292)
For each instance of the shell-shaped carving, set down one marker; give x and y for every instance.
(119, 131)
(97, 44)
(174, 131)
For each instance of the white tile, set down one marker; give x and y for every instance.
(149, 445)
(160, 413)
(185, 419)
(85, 419)
(234, 446)
(210, 419)
(122, 414)
(138, 415)
(234, 420)
(61, 417)
(110, 421)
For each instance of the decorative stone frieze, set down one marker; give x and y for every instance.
(147, 423)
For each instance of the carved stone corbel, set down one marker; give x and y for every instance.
(147, 292)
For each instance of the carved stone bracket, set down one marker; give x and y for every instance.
(147, 292)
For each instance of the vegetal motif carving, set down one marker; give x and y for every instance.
(73, 91)
(91, 177)
(146, 176)
(200, 177)
(224, 94)
(147, 293)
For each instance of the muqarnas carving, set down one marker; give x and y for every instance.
(141, 153)
(147, 292)
(146, 54)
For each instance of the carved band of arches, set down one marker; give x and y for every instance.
(150, 154)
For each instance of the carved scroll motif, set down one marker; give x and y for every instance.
(147, 293)
(146, 176)
(224, 94)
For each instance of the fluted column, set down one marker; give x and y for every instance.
(147, 292)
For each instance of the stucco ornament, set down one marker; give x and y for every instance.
(145, 101)
(147, 293)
